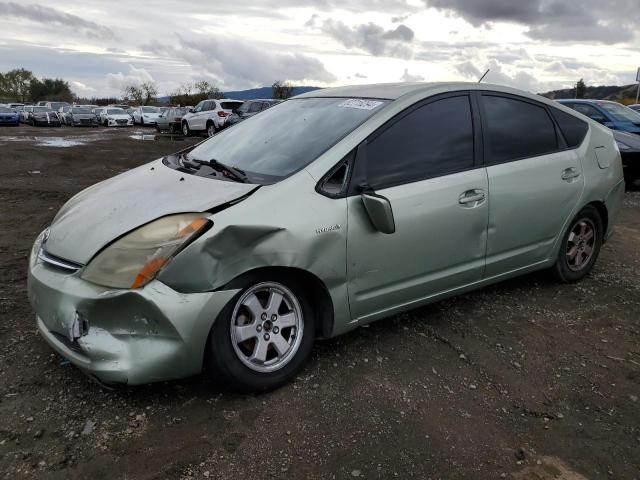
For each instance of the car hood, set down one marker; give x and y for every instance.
(151, 115)
(119, 116)
(99, 214)
(83, 115)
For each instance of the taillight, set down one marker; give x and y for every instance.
(222, 114)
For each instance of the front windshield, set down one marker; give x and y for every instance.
(6, 110)
(41, 109)
(287, 137)
(80, 110)
(620, 113)
(58, 105)
(115, 111)
(150, 110)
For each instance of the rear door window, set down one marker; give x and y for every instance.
(516, 129)
(432, 140)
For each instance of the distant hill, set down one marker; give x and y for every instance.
(263, 92)
(624, 94)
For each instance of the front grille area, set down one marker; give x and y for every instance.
(58, 262)
(121, 122)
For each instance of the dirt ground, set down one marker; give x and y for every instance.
(526, 380)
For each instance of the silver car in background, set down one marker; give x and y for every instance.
(323, 213)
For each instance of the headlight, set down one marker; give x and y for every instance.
(135, 259)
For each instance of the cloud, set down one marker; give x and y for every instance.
(609, 22)
(51, 16)
(522, 80)
(408, 77)
(234, 62)
(370, 37)
(136, 76)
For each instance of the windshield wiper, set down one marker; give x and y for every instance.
(227, 170)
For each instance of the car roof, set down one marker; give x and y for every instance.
(394, 91)
(585, 100)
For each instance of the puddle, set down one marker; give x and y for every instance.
(154, 137)
(59, 142)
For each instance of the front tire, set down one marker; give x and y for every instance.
(580, 246)
(262, 337)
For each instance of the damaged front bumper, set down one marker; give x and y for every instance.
(122, 336)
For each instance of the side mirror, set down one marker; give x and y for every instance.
(191, 110)
(379, 210)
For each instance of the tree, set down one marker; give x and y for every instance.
(207, 91)
(54, 89)
(15, 84)
(150, 92)
(132, 93)
(281, 90)
(581, 89)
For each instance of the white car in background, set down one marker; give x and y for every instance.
(115, 117)
(209, 116)
(146, 115)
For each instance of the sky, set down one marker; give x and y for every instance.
(99, 46)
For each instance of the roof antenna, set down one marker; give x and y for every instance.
(484, 75)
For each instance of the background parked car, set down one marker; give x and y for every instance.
(98, 113)
(8, 116)
(171, 119)
(16, 106)
(209, 116)
(629, 146)
(115, 117)
(75, 116)
(146, 115)
(43, 116)
(610, 114)
(249, 109)
(56, 106)
(635, 107)
(24, 114)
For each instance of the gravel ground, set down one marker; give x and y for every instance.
(527, 379)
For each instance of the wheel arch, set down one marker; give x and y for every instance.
(604, 215)
(318, 293)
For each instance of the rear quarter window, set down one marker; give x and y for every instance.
(230, 105)
(573, 129)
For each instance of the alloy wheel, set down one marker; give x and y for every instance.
(266, 327)
(211, 130)
(580, 244)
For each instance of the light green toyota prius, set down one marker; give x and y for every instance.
(329, 211)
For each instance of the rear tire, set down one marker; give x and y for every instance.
(185, 129)
(263, 336)
(211, 129)
(580, 246)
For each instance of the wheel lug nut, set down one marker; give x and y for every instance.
(259, 328)
(263, 316)
(266, 336)
(274, 317)
(276, 329)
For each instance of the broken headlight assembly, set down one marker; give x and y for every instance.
(134, 260)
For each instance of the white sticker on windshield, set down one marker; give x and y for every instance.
(360, 103)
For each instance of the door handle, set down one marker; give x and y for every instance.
(569, 174)
(474, 197)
